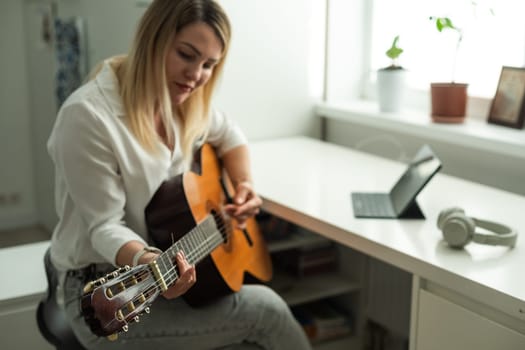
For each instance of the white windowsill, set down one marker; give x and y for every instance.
(472, 133)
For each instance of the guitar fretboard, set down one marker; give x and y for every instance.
(196, 245)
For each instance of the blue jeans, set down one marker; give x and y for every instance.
(253, 318)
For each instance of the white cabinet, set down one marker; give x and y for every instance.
(443, 324)
(19, 327)
(23, 285)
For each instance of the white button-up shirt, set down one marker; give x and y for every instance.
(104, 178)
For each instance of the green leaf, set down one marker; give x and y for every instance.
(394, 51)
(444, 23)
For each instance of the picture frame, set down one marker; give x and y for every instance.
(508, 107)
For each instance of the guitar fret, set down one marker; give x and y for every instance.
(204, 246)
(191, 246)
(170, 253)
(196, 245)
(188, 247)
(204, 240)
(197, 240)
(209, 243)
(197, 234)
(166, 266)
(198, 252)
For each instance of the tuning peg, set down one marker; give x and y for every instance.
(136, 319)
(125, 328)
(147, 310)
(88, 287)
(99, 282)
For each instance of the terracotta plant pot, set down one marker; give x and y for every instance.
(449, 102)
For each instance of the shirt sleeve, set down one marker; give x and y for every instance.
(224, 134)
(82, 152)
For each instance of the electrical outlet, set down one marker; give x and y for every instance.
(10, 199)
(14, 198)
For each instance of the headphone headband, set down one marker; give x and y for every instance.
(504, 234)
(459, 229)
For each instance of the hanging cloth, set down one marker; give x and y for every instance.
(68, 55)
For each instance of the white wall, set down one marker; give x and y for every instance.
(274, 73)
(40, 70)
(272, 79)
(16, 159)
(110, 24)
(349, 33)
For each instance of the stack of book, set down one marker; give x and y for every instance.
(321, 320)
(308, 260)
(274, 228)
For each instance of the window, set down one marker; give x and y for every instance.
(493, 36)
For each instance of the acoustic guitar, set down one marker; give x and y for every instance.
(186, 210)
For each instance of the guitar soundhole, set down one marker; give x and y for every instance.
(221, 223)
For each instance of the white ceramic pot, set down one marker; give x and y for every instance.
(391, 89)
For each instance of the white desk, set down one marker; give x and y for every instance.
(22, 285)
(308, 182)
(23, 271)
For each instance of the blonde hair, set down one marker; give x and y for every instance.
(142, 76)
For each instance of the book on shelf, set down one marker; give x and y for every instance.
(274, 228)
(309, 260)
(321, 320)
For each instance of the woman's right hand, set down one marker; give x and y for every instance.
(187, 278)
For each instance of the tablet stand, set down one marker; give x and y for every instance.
(413, 211)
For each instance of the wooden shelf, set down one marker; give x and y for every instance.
(350, 342)
(299, 290)
(298, 239)
(296, 290)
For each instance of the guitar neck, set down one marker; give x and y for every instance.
(196, 245)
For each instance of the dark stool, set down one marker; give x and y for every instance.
(51, 317)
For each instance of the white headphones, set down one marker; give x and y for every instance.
(459, 229)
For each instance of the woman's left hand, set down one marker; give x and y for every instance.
(187, 278)
(246, 204)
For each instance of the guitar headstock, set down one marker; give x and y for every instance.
(110, 303)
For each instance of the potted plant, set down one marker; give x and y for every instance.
(449, 99)
(391, 81)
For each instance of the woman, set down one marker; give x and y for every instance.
(115, 140)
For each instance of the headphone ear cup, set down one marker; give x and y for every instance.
(445, 213)
(458, 229)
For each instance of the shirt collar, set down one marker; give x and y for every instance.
(107, 82)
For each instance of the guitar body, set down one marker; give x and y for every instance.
(181, 203)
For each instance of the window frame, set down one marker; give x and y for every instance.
(356, 81)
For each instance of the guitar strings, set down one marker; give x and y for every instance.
(171, 274)
(222, 233)
(193, 255)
